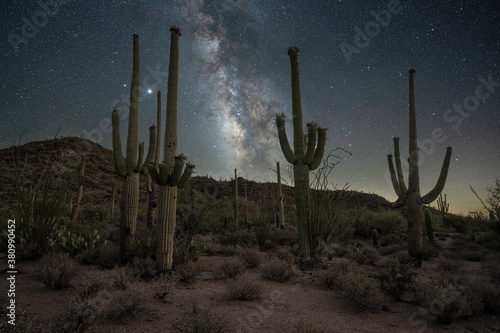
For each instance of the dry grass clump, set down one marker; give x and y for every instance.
(125, 302)
(278, 270)
(360, 289)
(89, 285)
(56, 270)
(122, 278)
(201, 320)
(80, 314)
(144, 267)
(108, 255)
(162, 290)
(189, 272)
(244, 290)
(229, 268)
(449, 265)
(367, 255)
(251, 258)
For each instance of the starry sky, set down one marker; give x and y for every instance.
(69, 62)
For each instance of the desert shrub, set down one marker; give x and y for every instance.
(244, 290)
(428, 250)
(251, 258)
(214, 249)
(122, 278)
(56, 270)
(360, 289)
(108, 255)
(262, 226)
(447, 299)
(89, 285)
(80, 314)
(397, 278)
(87, 256)
(144, 267)
(201, 320)
(124, 302)
(229, 268)
(330, 279)
(490, 296)
(366, 255)
(243, 238)
(384, 222)
(492, 264)
(287, 237)
(449, 265)
(163, 289)
(277, 270)
(189, 272)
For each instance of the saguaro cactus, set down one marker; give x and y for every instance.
(443, 206)
(236, 214)
(130, 167)
(428, 226)
(281, 214)
(169, 175)
(79, 194)
(411, 196)
(306, 156)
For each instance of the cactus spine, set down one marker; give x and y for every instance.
(428, 226)
(304, 157)
(411, 196)
(169, 175)
(236, 215)
(130, 167)
(81, 177)
(281, 214)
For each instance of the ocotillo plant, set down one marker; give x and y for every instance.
(443, 206)
(151, 187)
(170, 175)
(79, 194)
(236, 215)
(130, 167)
(411, 196)
(281, 214)
(304, 157)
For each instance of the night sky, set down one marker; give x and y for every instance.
(70, 64)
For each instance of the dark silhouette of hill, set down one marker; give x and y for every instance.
(62, 156)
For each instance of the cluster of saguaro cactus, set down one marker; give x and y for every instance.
(443, 206)
(170, 174)
(130, 167)
(307, 155)
(79, 194)
(410, 195)
(281, 214)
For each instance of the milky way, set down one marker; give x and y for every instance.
(70, 65)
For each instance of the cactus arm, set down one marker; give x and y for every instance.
(320, 149)
(139, 157)
(285, 145)
(170, 144)
(186, 175)
(153, 172)
(158, 129)
(132, 138)
(432, 195)
(298, 136)
(117, 145)
(402, 201)
(394, 178)
(151, 150)
(399, 169)
(312, 131)
(164, 177)
(177, 172)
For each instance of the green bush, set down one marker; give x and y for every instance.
(397, 278)
(384, 222)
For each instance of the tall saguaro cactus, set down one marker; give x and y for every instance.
(281, 214)
(130, 167)
(169, 175)
(411, 196)
(306, 156)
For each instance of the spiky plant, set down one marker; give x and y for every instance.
(306, 156)
(171, 173)
(411, 196)
(130, 167)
